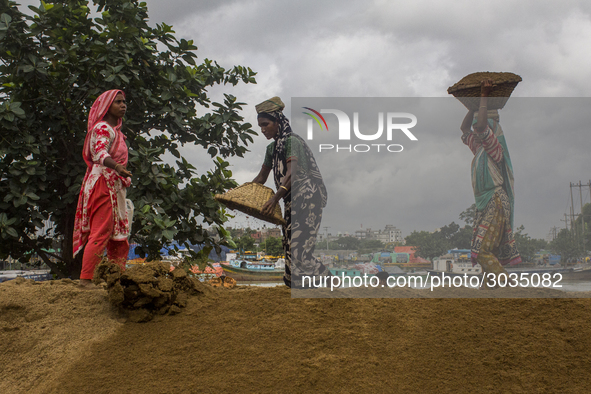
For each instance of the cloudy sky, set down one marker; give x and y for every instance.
(413, 49)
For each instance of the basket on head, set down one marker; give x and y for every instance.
(467, 90)
(250, 198)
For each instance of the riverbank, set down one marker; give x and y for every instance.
(59, 339)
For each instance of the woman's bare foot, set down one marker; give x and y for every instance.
(86, 284)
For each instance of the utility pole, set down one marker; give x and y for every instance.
(582, 217)
(581, 238)
(572, 209)
(326, 232)
(552, 234)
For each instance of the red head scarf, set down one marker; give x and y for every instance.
(98, 110)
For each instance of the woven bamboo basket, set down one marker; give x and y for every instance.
(250, 198)
(467, 90)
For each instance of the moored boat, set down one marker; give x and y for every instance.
(36, 275)
(576, 274)
(449, 265)
(263, 271)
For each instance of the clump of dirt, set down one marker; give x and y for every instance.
(144, 291)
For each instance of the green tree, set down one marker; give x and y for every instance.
(566, 245)
(462, 239)
(428, 245)
(391, 245)
(273, 246)
(469, 215)
(244, 243)
(369, 246)
(332, 245)
(582, 232)
(52, 67)
(347, 243)
(448, 232)
(526, 245)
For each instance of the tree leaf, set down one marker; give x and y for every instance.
(168, 234)
(12, 232)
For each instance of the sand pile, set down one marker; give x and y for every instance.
(145, 290)
(56, 338)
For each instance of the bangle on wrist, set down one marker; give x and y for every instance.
(283, 187)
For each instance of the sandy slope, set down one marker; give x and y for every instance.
(55, 338)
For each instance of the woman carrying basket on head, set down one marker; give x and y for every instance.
(493, 245)
(300, 184)
(101, 216)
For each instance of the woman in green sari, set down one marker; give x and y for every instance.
(302, 189)
(493, 244)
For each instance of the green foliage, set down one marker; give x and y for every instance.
(469, 215)
(430, 245)
(352, 243)
(390, 246)
(52, 67)
(347, 243)
(200, 259)
(463, 238)
(526, 245)
(369, 246)
(575, 242)
(273, 246)
(244, 243)
(581, 231)
(566, 245)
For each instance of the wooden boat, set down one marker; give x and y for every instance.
(577, 274)
(254, 271)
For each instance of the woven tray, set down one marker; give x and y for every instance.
(250, 198)
(467, 90)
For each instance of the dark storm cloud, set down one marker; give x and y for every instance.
(411, 49)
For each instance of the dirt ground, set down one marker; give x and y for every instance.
(56, 338)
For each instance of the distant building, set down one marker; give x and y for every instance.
(238, 232)
(364, 233)
(393, 234)
(389, 234)
(270, 232)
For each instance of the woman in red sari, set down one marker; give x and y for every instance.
(101, 216)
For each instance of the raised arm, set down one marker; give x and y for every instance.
(485, 89)
(466, 126)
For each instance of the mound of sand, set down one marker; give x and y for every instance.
(56, 338)
(145, 290)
